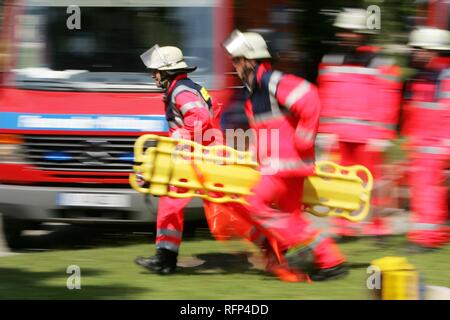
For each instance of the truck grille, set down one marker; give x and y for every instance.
(80, 154)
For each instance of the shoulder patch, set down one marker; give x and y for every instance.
(205, 94)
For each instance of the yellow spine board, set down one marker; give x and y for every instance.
(340, 191)
(221, 174)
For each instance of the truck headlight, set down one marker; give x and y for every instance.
(11, 149)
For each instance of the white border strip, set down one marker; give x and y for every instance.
(121, 3)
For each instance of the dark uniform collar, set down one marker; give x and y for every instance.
(260, 70)
(175, 80)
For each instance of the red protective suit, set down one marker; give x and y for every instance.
(186, 111)
(427, 127)
(360, 99)
(290, 107)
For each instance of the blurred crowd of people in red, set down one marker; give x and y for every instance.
(366, 105)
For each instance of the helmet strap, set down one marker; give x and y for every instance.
(249, 75)
(165, 79)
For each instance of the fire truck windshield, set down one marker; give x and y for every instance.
(99, 48)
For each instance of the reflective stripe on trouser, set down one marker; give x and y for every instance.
(432, 150)
(428, 202)
(350, 121)
(429, 105)
(169, 223)
(278, 165)
(322, 248)
(425, 226)
(286, 225)
(311, 245)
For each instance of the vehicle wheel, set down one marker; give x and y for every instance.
(12, 231)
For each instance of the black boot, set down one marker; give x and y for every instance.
(164, 262)
(300, 259)
(336, 272)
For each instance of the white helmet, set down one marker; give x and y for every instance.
(165, 59)
(249, 45)
(354, 20)
(430, 38)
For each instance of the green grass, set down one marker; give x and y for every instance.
(109, 273)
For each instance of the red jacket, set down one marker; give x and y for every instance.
(359, 101)
(187, 108)
(284, 112)
(427, 111)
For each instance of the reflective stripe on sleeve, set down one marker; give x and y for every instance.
(266, 116)
(191, 105)
(296, 94)
(273, 85)
(180, 89)
(274, 81)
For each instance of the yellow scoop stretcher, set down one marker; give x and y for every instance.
(220, 174)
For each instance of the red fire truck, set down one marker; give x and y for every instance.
(437, 13)
(75, 95)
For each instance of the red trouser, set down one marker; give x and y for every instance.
(286, 224)
(169, 223)
(428, 201)
(359, 153)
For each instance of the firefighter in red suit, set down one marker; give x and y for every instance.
(360, 93)
(427, 128)
(283, 112)
(188, 114)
